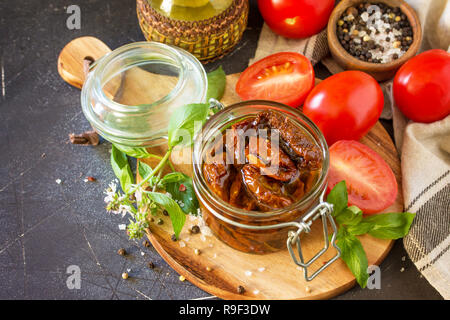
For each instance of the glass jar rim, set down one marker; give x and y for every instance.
(93, 88)
(293, 114)
(120, 53)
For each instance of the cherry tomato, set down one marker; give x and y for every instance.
(345, 106)
(296, 18)
(285, 77)
(422, 86)
(371, 184)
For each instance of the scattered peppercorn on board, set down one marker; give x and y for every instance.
(222, 271)
(227, 273)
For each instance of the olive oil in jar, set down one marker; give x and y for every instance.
(190, 10)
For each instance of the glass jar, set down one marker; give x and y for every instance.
(264, 232)
(130, 94)
(249, 240)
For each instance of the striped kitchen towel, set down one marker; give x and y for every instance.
(314, 48)
(426, 189)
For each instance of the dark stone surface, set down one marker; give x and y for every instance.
(46, 227)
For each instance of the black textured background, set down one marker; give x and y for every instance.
(45, 226)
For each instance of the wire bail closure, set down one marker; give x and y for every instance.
(323, 210)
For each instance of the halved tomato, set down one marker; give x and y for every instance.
(371, 184)
(285, 77)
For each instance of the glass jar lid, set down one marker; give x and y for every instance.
(131, 93)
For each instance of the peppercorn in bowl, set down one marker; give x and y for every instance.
(376, 37)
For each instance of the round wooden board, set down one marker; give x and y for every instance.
(280, 278)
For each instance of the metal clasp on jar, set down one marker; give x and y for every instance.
(323, 210)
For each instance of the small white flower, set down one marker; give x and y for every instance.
(113, 186)
(58, 181)
(123, 210)
(122, 226)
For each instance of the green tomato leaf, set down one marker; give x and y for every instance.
(349, 216)
(176, 215)
(338, 197)
(390, 225)
(185, 194)
(182, 123)
(216, 84)
(121, 168)
(354, 256)
(134, 152)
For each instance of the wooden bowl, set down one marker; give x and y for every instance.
(380, 71)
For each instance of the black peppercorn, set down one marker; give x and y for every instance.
(165, 213)
(146, 243)
(151, 265)
(195, 229)
(240, 289)
(160, 221)
(173, 237)
(121, 252)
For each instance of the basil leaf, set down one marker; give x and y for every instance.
(134, 152)
(183, 120)
(216, 84)
(173, 177)
(338, 197)
(121, 168)
(362, 227)
(176, 215)
(349, 216)
(187, 197)
(144, 170)
(354, 256)
(390, 225)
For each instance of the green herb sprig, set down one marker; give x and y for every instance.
(352, 223)
(178, 198)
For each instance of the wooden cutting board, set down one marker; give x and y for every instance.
(219, 269)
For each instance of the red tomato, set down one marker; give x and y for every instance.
(345, 106)
(422, 86)
(285, 77)
(296, 18)
(371, 184)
